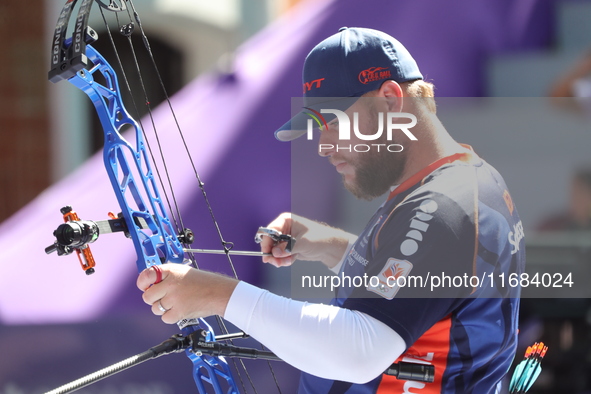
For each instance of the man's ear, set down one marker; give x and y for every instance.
(393, 92)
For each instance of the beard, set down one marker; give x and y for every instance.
(376, 172)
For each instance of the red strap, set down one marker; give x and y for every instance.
(414, 179)
(158, 274)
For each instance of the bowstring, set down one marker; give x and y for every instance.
(220, 322)
(227, 246)
(155, 164)
(176, 223)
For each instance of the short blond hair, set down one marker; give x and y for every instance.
(421, 88)
(417, 88)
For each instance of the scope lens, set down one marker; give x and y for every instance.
(76, 234)
(65, 234)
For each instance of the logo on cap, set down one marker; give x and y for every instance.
(318, 118)
(312, 84)
(374, 74)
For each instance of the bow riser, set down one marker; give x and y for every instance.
(209, 369)
(157, 242)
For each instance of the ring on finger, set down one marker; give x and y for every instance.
(162, 309)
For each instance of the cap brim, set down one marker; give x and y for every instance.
(298, 125)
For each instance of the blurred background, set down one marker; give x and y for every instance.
(514, 77)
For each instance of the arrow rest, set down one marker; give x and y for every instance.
(186, 236)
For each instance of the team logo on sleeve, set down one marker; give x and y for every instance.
(516, 236)
(418, 227)
(391, 278)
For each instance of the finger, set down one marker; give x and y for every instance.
(154, 293)
(167, 314)
(171, 317)
(151, 276)
(159, 309)
(279, 250)
(267, 244)
(282, 224)
(280, 262)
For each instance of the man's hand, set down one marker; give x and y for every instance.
(185, 292)
(314, 242)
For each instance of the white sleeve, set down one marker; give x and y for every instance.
(323, 340)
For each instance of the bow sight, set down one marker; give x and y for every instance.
(75, 235)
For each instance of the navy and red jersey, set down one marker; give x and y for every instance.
(437, 252)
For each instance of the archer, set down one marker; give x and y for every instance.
(447, 210)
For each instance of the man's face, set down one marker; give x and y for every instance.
(366, 175)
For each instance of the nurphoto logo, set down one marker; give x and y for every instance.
(344, 127)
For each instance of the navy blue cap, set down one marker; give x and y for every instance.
(344, 67)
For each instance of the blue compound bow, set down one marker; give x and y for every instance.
(143, 217)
